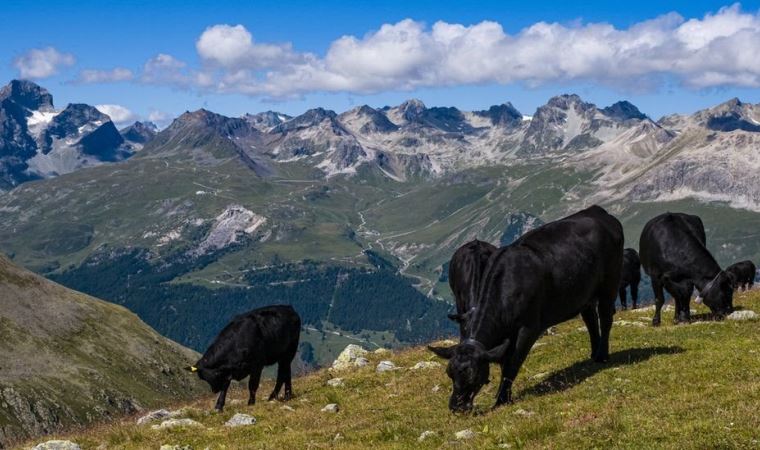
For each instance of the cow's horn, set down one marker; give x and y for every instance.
(698, 299)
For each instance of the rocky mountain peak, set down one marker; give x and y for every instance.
(27, 94)
(312, 117)
(412, 109)
(366, 119)
(730, 116)
(264, 121)
(139, 132)
(566, 101)
(623, 110)
(76, 115)
(205, 120)
(502, 115)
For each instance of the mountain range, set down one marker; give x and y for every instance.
(216, 214)
(39, 141)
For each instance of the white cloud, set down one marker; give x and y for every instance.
(718, 49)
(232, 47)
(120, 115)
(165, 69)
(160, 118)
(42, 62)
(104, 76)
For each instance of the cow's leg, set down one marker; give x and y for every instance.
(606, 314)
(659, 300)
(634, 295)
(283, 373)
(288, 380)
(284, 366)
(678, 300)
(686, 311)
(622, 298)
(526, 337)
(222, 397)
(253, 384)
(591, 319)
(504, 367)
(681, 295)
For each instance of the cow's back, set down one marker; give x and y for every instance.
(671, 240)
(744, 271)
(561, 265)
(261, 335)
(582, 240)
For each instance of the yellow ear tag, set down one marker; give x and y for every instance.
(193, 369)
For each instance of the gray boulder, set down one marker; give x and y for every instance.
(331, 408)
(239, 420)
(175, 423)
(57, 445)
(464, 434)
(385, 366)
(744, 314)
(156, 415)
(353, 355)
(426, 365)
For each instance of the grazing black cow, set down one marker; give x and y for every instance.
(674, 255)
(251, 341)
(630, 277)
(465, 272)
(744, 272)
(548, 276)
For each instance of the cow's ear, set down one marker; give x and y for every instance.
(497, 353)
(458, 318)
(443, 352)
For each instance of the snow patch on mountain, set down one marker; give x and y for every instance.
(38, 120)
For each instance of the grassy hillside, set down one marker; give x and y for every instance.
(687, 386)
(69, 359)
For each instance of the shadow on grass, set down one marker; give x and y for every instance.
(568, 377)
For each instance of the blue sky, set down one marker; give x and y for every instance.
(106, 35)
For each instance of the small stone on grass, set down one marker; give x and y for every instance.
(331, 408)
(239, 420)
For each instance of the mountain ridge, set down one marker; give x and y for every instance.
(69, 359)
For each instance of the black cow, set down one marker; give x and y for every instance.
(630, 277)
(674, 255)
(465, 272)
(744, 272)
(548, 276)
(251, 341)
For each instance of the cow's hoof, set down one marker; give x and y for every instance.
(251, 401)
(655, 322)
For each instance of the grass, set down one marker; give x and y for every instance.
(677, 386)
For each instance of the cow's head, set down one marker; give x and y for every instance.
(718, 294)
(216, 379)
(468, 370)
